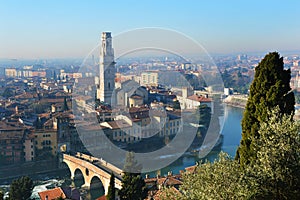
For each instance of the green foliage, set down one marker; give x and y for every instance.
(270, 88)
(223, 179)
(274, 174)
(133, 187)
(60, 198)
(196, 82)
(133, 184)
(111, 194)
(1, 195)
(236, 80)
(228, 80)
(21, 189)
(277, 168)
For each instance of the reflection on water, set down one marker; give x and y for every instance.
(231, 132)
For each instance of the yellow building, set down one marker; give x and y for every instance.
(46, 140)
(149, 78)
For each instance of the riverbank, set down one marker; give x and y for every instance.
(239, 101)
(35, 168)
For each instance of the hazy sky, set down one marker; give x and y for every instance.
(71, 28)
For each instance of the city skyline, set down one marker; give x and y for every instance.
(55, 29)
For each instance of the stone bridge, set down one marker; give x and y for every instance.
(92, 167)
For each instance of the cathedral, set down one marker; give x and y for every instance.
(129, 93)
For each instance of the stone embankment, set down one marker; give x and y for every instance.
(236, 100)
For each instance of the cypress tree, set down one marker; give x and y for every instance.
(111, 194)
(270, 88)
(133, 184)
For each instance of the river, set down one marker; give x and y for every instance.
(231, 132)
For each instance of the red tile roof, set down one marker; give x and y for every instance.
(199, 98)
(52, 194)
(102, 198)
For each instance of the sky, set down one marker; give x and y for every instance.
(71, 28)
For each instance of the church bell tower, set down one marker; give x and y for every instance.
(107, 70)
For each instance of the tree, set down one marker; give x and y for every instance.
(111, 194)
(227, 79)
(274, 174)
(276, 170)
(270, 88)
(59, 198)
(222, 179)
(21, 189)
(133, 187)
(1, 195)
(133, 184)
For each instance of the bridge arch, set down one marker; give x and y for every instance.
(96, 186)
(92, 169)
(78, 179)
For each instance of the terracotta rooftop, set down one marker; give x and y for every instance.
(84, 98)
(117, 124)
(168, 181)
(199, 98)
(26, 95)
(191, 169)
(102, 198)
(160, 194)
(135, 96)
(11, 126)
(52, 194)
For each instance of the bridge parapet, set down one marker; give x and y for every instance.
(100, 161)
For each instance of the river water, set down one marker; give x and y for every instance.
(231, 132)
